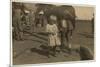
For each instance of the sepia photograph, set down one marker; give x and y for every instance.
(50, 33)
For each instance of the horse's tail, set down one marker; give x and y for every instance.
(74, 24)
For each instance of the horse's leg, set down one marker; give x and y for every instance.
(69, 38)
(62, 39)
(71, 32)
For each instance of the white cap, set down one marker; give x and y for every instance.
(26, 11)
(41, 12)
(53, 17)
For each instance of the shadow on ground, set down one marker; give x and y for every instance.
(87, 35)
(44, 52)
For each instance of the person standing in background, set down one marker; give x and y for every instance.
(66, 29)
(16, 23)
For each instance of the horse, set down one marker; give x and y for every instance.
(62, 12)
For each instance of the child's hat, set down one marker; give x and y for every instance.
(41, 12)
(53, 17)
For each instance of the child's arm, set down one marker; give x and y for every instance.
(56, 29)
(48, 30)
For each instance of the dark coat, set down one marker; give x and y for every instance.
(64, 11)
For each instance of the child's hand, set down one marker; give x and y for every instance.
(61, 29)
(52, 33)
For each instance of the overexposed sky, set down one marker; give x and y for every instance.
(84, 12)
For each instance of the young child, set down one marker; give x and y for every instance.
(53, 39)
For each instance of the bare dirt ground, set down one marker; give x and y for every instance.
(24, 53)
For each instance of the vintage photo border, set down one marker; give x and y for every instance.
(11, 45)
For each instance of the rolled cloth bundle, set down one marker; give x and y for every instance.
(85, 53)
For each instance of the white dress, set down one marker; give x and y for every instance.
(53, 39)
